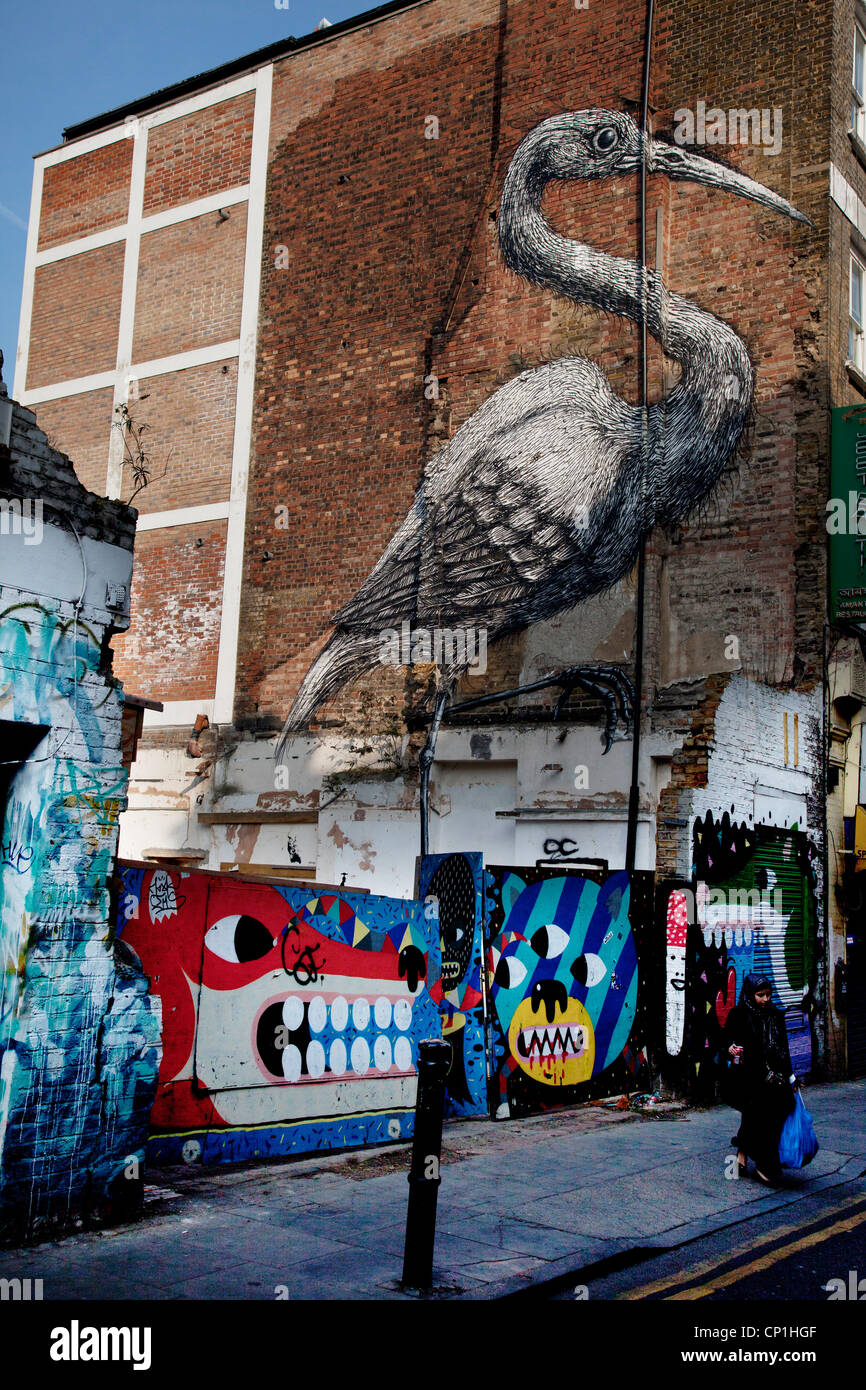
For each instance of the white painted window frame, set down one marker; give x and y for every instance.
(857, 329)
(858, 94)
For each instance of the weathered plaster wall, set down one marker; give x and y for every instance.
(79, 1036)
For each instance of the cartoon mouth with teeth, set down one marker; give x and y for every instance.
(560, 1052)
(281, 1006)
(346, 1035)
(320, 1009)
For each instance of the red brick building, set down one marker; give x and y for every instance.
(289, 270)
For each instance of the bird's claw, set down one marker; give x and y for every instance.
(613, 688)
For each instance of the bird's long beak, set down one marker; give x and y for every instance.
(682, 164)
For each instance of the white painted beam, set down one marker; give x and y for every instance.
(233, 573)
(183, 516)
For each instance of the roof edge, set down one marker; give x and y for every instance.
(283, 48)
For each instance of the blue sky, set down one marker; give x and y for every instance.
(65, 62)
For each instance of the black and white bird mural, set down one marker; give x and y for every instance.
(542, 497)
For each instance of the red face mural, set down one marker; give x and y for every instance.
(278, 1004)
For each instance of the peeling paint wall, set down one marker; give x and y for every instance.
(79, 1035)
(746, 815)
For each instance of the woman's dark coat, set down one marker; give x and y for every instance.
(759, 1085)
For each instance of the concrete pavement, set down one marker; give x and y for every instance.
(522, 1202)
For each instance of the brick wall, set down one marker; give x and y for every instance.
(347, 329)
(80, 425)
(188, 297)
(172, 645)
(76, 311)
(391, 236)
(85, 195)
(190, 285)
(198, 154)
(190, 431)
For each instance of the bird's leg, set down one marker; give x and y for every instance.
(425, 761)
(609, 683)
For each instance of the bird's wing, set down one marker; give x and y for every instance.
(389, 592)
(490, 546)
(492, 538)
(476, 553)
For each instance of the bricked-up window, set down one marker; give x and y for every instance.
(858, 82)
(856, 353)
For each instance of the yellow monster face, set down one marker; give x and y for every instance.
(553, 1041)
(563, 976)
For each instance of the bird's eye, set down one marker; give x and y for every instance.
(605, 139)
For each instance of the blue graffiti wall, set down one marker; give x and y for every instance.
(452, 884)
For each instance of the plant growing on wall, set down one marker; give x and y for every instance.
(135, 454)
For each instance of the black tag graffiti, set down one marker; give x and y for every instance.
(306, 969)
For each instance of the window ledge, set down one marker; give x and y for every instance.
(858, 147)
(856, 377)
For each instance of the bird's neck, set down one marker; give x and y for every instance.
(699, 423)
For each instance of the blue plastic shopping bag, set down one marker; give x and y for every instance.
(798, 1144)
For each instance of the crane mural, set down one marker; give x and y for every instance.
(542, 497)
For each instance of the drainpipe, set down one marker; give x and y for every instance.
(634, 789)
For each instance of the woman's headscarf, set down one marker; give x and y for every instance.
(751, 985)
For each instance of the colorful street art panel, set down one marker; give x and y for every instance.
(283, 1007)
(563, 969)
(752, 908)
(452, 885)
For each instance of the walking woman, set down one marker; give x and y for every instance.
(760, 1083)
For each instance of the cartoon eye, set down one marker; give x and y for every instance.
(239, 939)
(605, 139)
(588, 969)
(549, 941)
(509, 972)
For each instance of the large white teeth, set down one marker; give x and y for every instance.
(337, 1057)
(293, 1012)
(315, 1060)
(317, 1014)
(382, 1053)
(360, 1056)
(403, 1054)
(403, 1014)
(339, 1013)
(382, 1012)
(291, 1063)
(361, 1014)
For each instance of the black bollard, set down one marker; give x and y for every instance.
(433, 1065)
